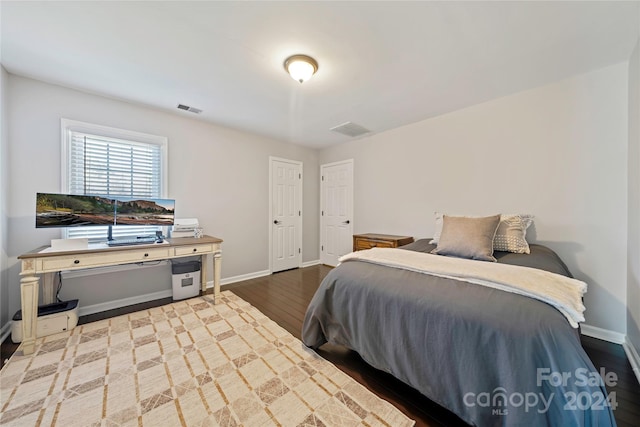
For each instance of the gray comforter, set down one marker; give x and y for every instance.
(489, 356)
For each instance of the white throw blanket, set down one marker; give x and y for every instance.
(563, 293)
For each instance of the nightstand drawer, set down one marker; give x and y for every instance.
(193, 249)
(363, 242)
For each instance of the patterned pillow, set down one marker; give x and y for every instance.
(468, 237)
(510, 236)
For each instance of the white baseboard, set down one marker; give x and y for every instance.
(110, 305)
(255, 275)
(240, 278)
(602, 334)
(633, 356)
(616, 338)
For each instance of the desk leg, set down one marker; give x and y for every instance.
(29, 302)
(204, 259)
(217, 265)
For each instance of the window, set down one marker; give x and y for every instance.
(112, 162)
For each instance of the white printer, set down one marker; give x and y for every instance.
(184, 227)
(52, 318)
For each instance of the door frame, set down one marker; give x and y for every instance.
(299, 223)
(322, 201)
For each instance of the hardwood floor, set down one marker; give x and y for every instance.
(284, 298)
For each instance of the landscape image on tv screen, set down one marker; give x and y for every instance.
(74, 210)
(71, 210)
(144, 211)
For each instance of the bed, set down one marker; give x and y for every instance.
(491, 356)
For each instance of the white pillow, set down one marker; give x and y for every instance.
(510, 236)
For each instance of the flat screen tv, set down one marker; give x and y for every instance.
(144, 211)
(73, 210)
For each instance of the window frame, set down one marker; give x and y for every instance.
(67, 126)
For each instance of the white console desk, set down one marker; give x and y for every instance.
(43, 261)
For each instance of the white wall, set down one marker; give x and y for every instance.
(4, 191)
(633, 259)
(558, 152)
(216, 174)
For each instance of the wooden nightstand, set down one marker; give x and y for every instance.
(370, 240)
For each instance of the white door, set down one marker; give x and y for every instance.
(286, 214)
(336, 211)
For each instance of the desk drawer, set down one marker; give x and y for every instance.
(193, 249)
(71, 262)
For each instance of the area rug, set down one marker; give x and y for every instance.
(189, 363)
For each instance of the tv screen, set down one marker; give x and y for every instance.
(73, 210)
(144, 211)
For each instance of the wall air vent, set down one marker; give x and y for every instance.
(350, 129)
(190, 109)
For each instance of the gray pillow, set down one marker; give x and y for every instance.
(510, 236)
(467, 237)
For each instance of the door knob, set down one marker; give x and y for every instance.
(275, 221)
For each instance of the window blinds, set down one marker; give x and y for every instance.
(113, 167)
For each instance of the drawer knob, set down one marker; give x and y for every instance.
(146, 255)
(195, 249)
(76, 261)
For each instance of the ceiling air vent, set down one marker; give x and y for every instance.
(350, 129)
(190, 109)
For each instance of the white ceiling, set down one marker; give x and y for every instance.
(381, 64)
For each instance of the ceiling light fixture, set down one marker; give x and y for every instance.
(301, 67)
